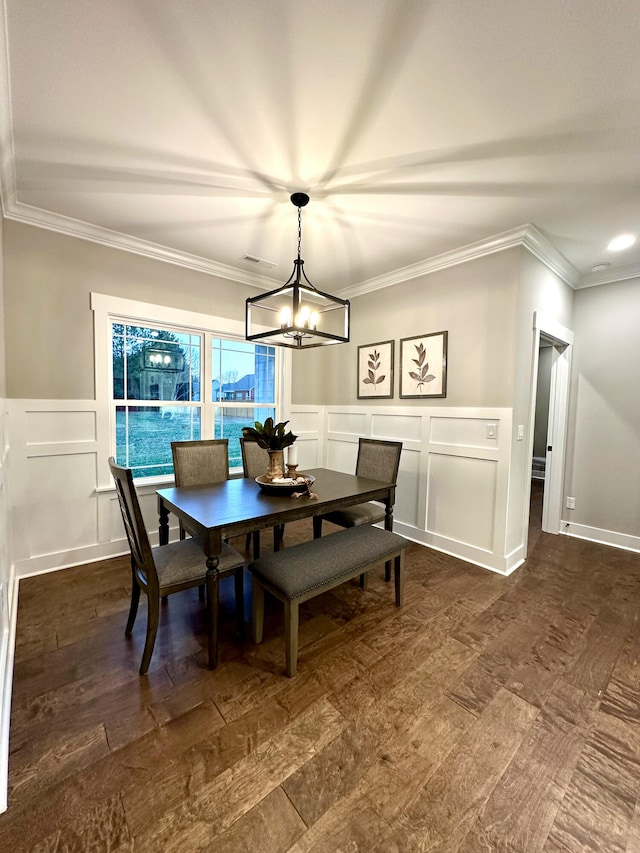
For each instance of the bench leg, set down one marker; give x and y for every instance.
(291, 617)
(363, 581)
(258, 611)
(317, 526)
(238, 580)
(398, 566)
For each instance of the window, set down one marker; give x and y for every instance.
(172, 383)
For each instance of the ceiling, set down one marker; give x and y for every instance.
(179, 130)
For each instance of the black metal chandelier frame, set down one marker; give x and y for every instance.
(297, 315)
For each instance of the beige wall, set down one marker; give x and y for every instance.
(475, 302)
(48, 320)
(604, 432)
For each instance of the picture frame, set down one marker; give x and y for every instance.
(423, 366)
(375, 371)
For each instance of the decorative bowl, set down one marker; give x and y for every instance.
(287, 486)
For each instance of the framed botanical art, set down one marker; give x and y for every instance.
(375, 371)
(423, 366)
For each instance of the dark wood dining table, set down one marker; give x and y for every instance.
(239, 506)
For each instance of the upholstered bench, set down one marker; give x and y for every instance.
(303, 571)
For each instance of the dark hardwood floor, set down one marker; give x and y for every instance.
(489, 714)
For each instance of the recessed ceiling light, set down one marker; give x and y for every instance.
(599, 267)
(622, 241)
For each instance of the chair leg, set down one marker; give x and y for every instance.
(153, 615)
(317, 526)
(363, 581)
(398, 566)
(291, 619)
(238, 579)
(257, 618)
(213, 596)
(133, 608)
(387, 571)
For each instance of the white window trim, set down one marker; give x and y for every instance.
(107, 309)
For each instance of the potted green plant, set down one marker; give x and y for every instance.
(273, 438)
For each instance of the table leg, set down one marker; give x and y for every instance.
(163, 533)
(213, 600)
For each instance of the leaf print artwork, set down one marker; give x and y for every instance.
(421, 375)
(375, 371)
(373, 365)
(423, 360)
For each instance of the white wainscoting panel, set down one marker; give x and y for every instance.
(461, 498)
(308, 453)
(396, 427)
(465, 432)
(55, 427)
(407, 508)
(73, 520)
(309, 420)
(341, 455)
(348, 422)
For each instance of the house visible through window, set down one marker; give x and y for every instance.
(172, 384)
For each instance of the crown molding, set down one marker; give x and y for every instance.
(116, 240)
(7, 160)
(593, 279)
(527, 236)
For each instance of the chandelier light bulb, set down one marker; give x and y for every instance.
(285, 316)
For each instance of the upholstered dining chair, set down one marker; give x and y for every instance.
(161, 571)
(200, 462)
(255, 461)
(377, 460)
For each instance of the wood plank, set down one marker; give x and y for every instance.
(216, 805)
(273, 825)
(597, 810)
(524, 803)
(33, 769)
(442, 815)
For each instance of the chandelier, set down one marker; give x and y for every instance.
(297, 315)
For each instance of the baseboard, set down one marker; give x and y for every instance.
(8, 641)
(466, 553)
(603, 537)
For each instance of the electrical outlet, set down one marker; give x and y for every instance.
(571, 503)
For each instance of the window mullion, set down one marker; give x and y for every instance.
(206, 397)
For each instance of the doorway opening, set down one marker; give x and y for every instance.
(549, 411)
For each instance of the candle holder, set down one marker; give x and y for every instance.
(291, 471)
